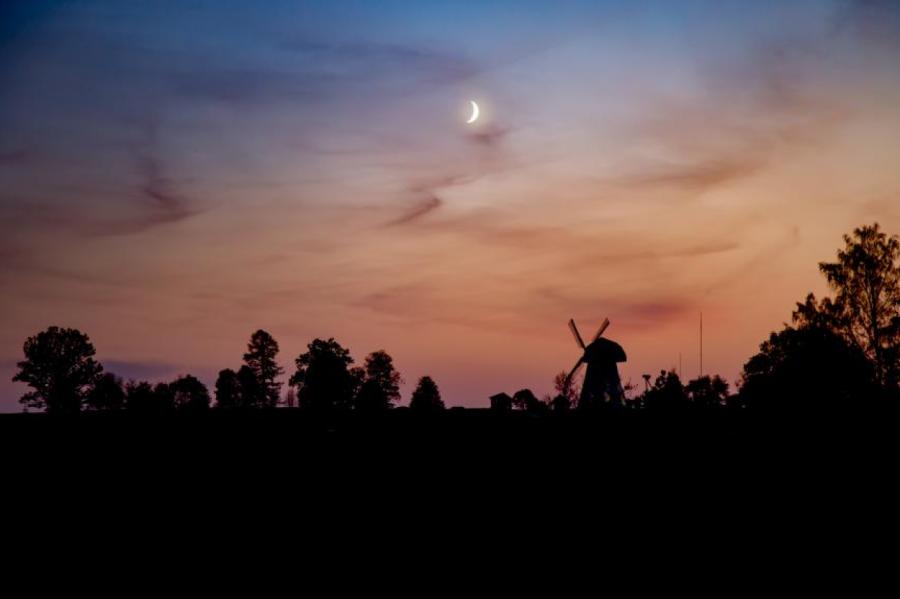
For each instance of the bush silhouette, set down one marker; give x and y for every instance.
(707, 392)
(107, 394)
(666, 394)
(807, 368)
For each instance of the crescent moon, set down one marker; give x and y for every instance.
(475, 113)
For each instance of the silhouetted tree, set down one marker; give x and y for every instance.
(707, 392)
(525, 399)
(806, 368)
(142, 397)
(323, 378)
(369, 398)
(251, 389)
(164, 397)
(866, 308)
(666, 394)
(357, 378)
(107, 394)
(59, 365)
(228, 390)
(189, 394)
(426, 397)
(260, 358)
(381, 386)
(566, 395)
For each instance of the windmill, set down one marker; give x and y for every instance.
(581, 344)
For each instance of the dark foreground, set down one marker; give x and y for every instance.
(478, 439)
(635, 484)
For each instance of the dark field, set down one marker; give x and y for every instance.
(478, 438)
(464, 474)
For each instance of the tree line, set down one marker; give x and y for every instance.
(65, 377)
(838, 352)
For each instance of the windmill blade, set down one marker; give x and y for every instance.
(602, 328)
(573, 371)
(575, 333)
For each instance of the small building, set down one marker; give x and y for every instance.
(501, 402)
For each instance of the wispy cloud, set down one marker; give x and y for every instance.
(424, 207)
(490, 135)
(424, 197)
(696, 176)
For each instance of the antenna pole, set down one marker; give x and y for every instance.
(701, 344)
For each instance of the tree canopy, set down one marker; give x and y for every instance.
(865, 310)
(323, 377)
(59, 365)
(380, 387)
(189, 394)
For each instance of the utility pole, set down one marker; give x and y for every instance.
(701, 344)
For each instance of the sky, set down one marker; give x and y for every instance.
(176, 175)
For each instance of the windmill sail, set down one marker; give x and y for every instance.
(575, 333)
(602, 329)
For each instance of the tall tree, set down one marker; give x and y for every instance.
(866, 306)
(189, 394)
(261, 359)
(323, 377)
(381, 385)
(59, 365)
(426, 397)
(107, 394)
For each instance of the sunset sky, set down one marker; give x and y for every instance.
(176, 175)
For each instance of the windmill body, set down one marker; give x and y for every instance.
(601, 381)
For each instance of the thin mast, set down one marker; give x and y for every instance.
(701, 344)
